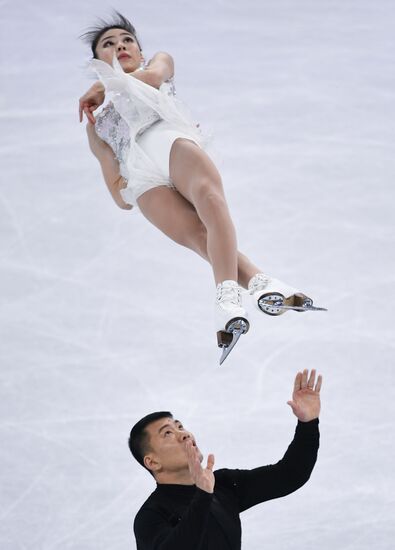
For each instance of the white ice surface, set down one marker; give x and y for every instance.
(102, 319)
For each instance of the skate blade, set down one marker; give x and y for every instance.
(303, 308)
(301, 302)
(227, 339)
(275, 304)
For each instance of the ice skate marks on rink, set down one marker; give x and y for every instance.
(96, 323)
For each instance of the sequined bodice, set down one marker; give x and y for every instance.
(113, 129)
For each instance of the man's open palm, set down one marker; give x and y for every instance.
(305, 401)
(202, 477)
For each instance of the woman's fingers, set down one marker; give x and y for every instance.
(89, 115)
(83, 108)
(87, 108)
(91, 100)
(319, 384)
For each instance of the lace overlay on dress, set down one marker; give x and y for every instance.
(112, 129)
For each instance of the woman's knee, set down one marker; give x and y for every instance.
(207, 194)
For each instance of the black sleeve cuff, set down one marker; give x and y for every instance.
(308, 427)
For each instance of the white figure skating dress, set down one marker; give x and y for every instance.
(141, 124)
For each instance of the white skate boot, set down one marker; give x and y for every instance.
(275, 297)
(230, 317)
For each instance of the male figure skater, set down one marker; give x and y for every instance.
(194, 508)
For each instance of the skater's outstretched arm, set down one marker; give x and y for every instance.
(294, 469)
(109, 165)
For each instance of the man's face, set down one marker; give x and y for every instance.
(167, 439)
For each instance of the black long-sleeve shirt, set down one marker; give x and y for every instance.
(183, 517)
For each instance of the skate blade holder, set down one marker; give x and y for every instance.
(228, 338)
(276, 304)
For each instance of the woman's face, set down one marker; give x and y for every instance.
(124, 45)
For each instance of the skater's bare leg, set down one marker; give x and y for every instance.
(197, 179)
(245, 270)
(177, 218)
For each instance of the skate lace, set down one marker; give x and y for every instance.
(258, 282)
(229, 295)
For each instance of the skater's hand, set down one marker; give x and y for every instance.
(91, 100)
(202, 477)
(305, 401)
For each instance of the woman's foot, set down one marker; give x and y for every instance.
(230, 317)
(275, 297)
(228, 305)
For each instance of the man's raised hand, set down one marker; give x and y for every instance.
(202, 477)
(305, 401)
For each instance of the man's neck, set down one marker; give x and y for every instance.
(183, 477)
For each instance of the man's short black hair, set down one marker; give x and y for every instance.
(118, 21)
(139, 438)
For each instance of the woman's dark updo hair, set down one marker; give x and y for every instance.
(93, 35)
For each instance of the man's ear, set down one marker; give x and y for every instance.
(151, 463)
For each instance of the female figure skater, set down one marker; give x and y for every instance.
(152, 156)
